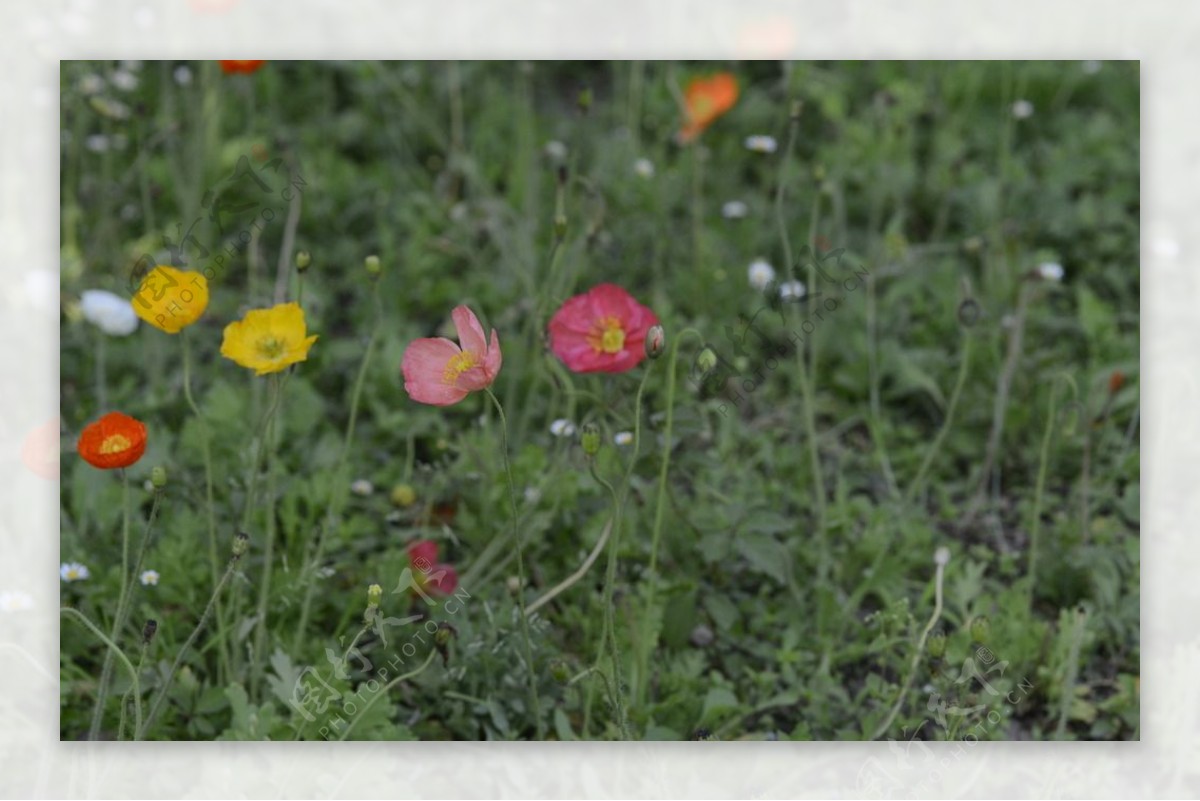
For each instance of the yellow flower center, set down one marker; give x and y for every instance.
(115, 443)
(608, 336)
(270, 347)
(458, 364)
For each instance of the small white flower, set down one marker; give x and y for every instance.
(124, 80)
(1022, 109)
(97, 143)
(362, 487)
(623, 438)
(734, 210)
(91, 84)
(112, 314)
(183, 75)
(761, 143)
(1050, 271)
(324, 572)
(791, 290)
(533, 494)
(562, 428)
(15, 601)
(1092, 67)
(73, 571)
(761, 274)
(644, 168)
(149, 578)
(942, 556)
(556, 150)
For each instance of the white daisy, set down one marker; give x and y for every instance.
(362, 487)
(556, 150)
(562, 428)
(15, 601)
(734, 210)
(1051, 271)
(73, 571)
(149, 578)
(623, 438)
(792, 290)
(111, 313)
(644, 168)
(761, 143)
(1022, 109)
(761, 274)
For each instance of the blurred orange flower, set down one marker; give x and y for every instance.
(246, 67)
(705, 99)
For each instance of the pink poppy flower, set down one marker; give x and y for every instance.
(601, 331)
(440, 373)
(429, 575)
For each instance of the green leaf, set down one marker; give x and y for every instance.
(765, 554)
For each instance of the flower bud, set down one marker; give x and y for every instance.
(1115, 382)
(559, 671)
(403, 495)
(302, 261)
(149, 630)
(513, 585)
(241, 543)
(158, 477)
(589, 438)
(656, 340)
(373, 266)
(937, 645)
(980, 627)
(374, 595)
(707, 360)
(968, 313)
(445, 632)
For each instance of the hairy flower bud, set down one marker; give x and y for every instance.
(373, 266)
(302, 261)
(158, 477)
(937, 645)
(656, 340)
(589, 438)
(980, 628)
(374, 595)
(241, 543)
(707, 360)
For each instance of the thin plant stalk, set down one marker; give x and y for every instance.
(916, 660)
(113, 649)
(609, 634)
(383, 691)
(1035, 525)
(206, 451)
(519, 548)
(162, 692)
(340, 478)
(964, 363)
(119, 618)
(264, 590)
(134, 695)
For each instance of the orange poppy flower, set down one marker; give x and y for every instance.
(115, 440)
(245, 67)
(705, 99)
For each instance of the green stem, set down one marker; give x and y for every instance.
(119, 618)
(512, 497)
(935, 447)
(610, 581)
(1035, 525)
(383, 691)
(341, 483)
(264, 590)
(916, 660)
(113, 649)
(162, 692)
(206, 449)
(130, 693)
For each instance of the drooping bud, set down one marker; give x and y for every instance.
(158, 477)
(707, 360)
(302, 261)
(559, 671)
(589, 438)
(373, 266)
(241, 543)
(656, 340)
(149, 630)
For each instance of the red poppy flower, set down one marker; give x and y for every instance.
(115, 440)
(601, 331)
(244, 67)
(428, 574)
(705, 99)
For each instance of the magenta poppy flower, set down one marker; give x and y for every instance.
(601, 331)
(441, 373)
(428, 573)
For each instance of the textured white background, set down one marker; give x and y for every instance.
(1164, 36)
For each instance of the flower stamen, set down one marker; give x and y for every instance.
(459, 363)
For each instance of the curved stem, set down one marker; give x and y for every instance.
(340, 487)
(916, 660)
(162, 692)
(206, 447)
(113, 649)
(570, 580)
(383, 691)
(512, 497)
(934, 448)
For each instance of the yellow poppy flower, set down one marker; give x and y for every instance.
(171, 299)
(268, 340)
